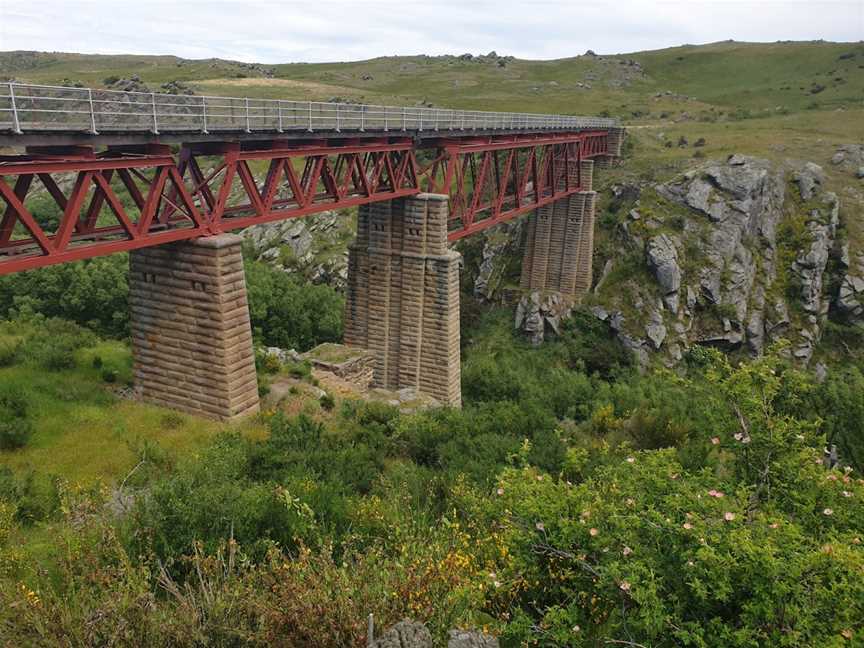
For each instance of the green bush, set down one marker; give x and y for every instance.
(92, 293)
(9, 351)
(15, 427)
(290, 314)
(52, 343)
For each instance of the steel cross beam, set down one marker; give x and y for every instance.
(128, 197)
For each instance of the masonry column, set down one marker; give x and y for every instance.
(191, 337)
(559, 242)
(405, 309)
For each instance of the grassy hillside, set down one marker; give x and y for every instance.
(727, 76)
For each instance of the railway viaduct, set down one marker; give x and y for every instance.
(167, 178)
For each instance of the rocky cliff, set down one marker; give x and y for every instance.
(734, 254)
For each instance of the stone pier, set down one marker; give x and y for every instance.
(191, 337)
(559, 243)
(402, 299)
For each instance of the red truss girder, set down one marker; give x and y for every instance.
(136, 196)
(493, 180)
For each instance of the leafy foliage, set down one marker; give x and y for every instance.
(288, 314)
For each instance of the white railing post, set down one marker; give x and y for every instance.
(279, 109)
(421, 119)
(385, 119)
(92, 112)
(204, 115)
(404, 117)
(362, 119)
(310, 117)
(436, 118)
(463, 121)
(16, 124)
(246, 103)
(153, 113)
(338, 129)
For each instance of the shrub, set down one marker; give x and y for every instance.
(289, 314)
(52, 343)
(328, 402)
(92, 293)
(15, 428)
(9, 351)
(109, 376)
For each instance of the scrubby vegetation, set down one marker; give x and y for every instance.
(570, 502)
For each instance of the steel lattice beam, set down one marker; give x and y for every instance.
(129, 197)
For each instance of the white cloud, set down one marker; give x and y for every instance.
(339, 30)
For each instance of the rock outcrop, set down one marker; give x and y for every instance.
(315, 246)
(410, 634)
(405, 634)
(540, 313)
(732, 246)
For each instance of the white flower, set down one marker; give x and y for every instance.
(627, 551)
(500, 491)
(847, 494)
(729, 516)
(828, 511)
(631, 459)
(715, 440)
(625, 586)
(540, 526)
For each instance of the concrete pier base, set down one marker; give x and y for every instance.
(402, 299)
(191, 338)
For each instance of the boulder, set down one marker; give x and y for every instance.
(538, 314)
(809, 180)
(405, 634)
(663, 262)
(471, 639)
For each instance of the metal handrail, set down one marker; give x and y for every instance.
(30, 107)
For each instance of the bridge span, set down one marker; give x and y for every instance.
(166, 177)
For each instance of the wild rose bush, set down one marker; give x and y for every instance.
(760, 546)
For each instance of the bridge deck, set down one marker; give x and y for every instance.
(39, 115)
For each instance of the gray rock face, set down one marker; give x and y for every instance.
(663, 262)
(405, 634)
(500, 244)
(729, 243)
(809, 180)
(538, 314)
(295, 244)
(850, 158)
(656, 330)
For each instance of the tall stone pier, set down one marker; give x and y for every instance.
(191, 338)
(402, 299)
(559, 242)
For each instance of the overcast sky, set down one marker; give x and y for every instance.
(339, 30)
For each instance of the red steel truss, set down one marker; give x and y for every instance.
(128, 197)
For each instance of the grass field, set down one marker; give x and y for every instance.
(85, 433)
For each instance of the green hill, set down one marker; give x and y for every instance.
(728, 76)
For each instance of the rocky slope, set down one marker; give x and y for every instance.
(314, 247)
(735, 254)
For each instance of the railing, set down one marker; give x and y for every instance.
(27, 108)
